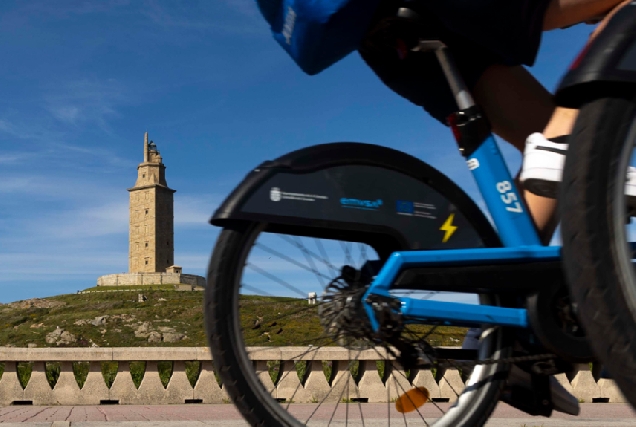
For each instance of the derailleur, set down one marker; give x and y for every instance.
(341, 310)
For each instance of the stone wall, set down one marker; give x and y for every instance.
(316, 387)
(137, 279)
(191, 279)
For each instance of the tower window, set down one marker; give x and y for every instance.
(146, 262)
(143, 176)
(146, 211)
(146, 244)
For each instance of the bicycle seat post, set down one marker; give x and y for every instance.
(458, 87)
(461, 93)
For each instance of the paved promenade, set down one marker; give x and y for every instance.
(375, 415)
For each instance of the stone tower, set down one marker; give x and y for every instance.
(151, 216)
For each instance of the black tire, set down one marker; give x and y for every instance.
(225, 337)
(596, 256)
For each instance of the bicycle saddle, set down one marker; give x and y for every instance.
(422, 30)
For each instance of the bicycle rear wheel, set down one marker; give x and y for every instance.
(596, 232)
(257, 315)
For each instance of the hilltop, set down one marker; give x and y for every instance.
(166, 318)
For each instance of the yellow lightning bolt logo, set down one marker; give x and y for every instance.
(448, 228)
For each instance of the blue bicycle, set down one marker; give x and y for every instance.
(380, 239)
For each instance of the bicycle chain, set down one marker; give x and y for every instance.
(511, 360)
(351, 276)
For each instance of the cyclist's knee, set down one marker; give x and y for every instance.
(516, 104)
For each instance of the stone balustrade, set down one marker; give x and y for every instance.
(367, 387)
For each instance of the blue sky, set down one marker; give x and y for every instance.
(81, 81)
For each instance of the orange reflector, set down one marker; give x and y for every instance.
(412, 399)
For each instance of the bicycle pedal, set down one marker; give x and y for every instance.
(538, 394)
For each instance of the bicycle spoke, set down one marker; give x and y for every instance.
(275, 279)
(310, 253)
(253, 289)
(325, 257)
(331, 389)
(361, 416)
(300, 382)
(388, 399)
(409, 397)
(397, 392)
(347, 251)
(335, 409)
(314, 340)
(444, 377)
(433, 402)
(363, 254)
(284, 257)
(282, 316)
(347, 404)
(341, 394)
(278, 286)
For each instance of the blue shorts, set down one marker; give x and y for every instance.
(479, 33)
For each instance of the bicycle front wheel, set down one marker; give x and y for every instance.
(286, 361)
(597, 233)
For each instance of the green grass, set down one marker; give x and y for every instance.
(109, 372)
(182, 311)
(142, 288)
(24, 373)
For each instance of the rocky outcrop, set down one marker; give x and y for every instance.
(60, 337)
(36, 303)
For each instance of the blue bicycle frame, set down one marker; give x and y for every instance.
(516, 230)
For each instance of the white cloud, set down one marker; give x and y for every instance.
(88, 222)
(194, 210)
(248, 22)
(12, 158)
(86, 101)
(65, 113)
(17, 130)
(58, 188)
(61, 263)
(27, 13)
(192, 261)
(17, 184)
(243, 7)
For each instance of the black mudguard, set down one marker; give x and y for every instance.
(606, 67)
(362, 193)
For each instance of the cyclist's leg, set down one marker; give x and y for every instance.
(500, 87)
(498, 91)
(563, 13)
(497, 88)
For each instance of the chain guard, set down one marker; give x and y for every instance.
(553, 321)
